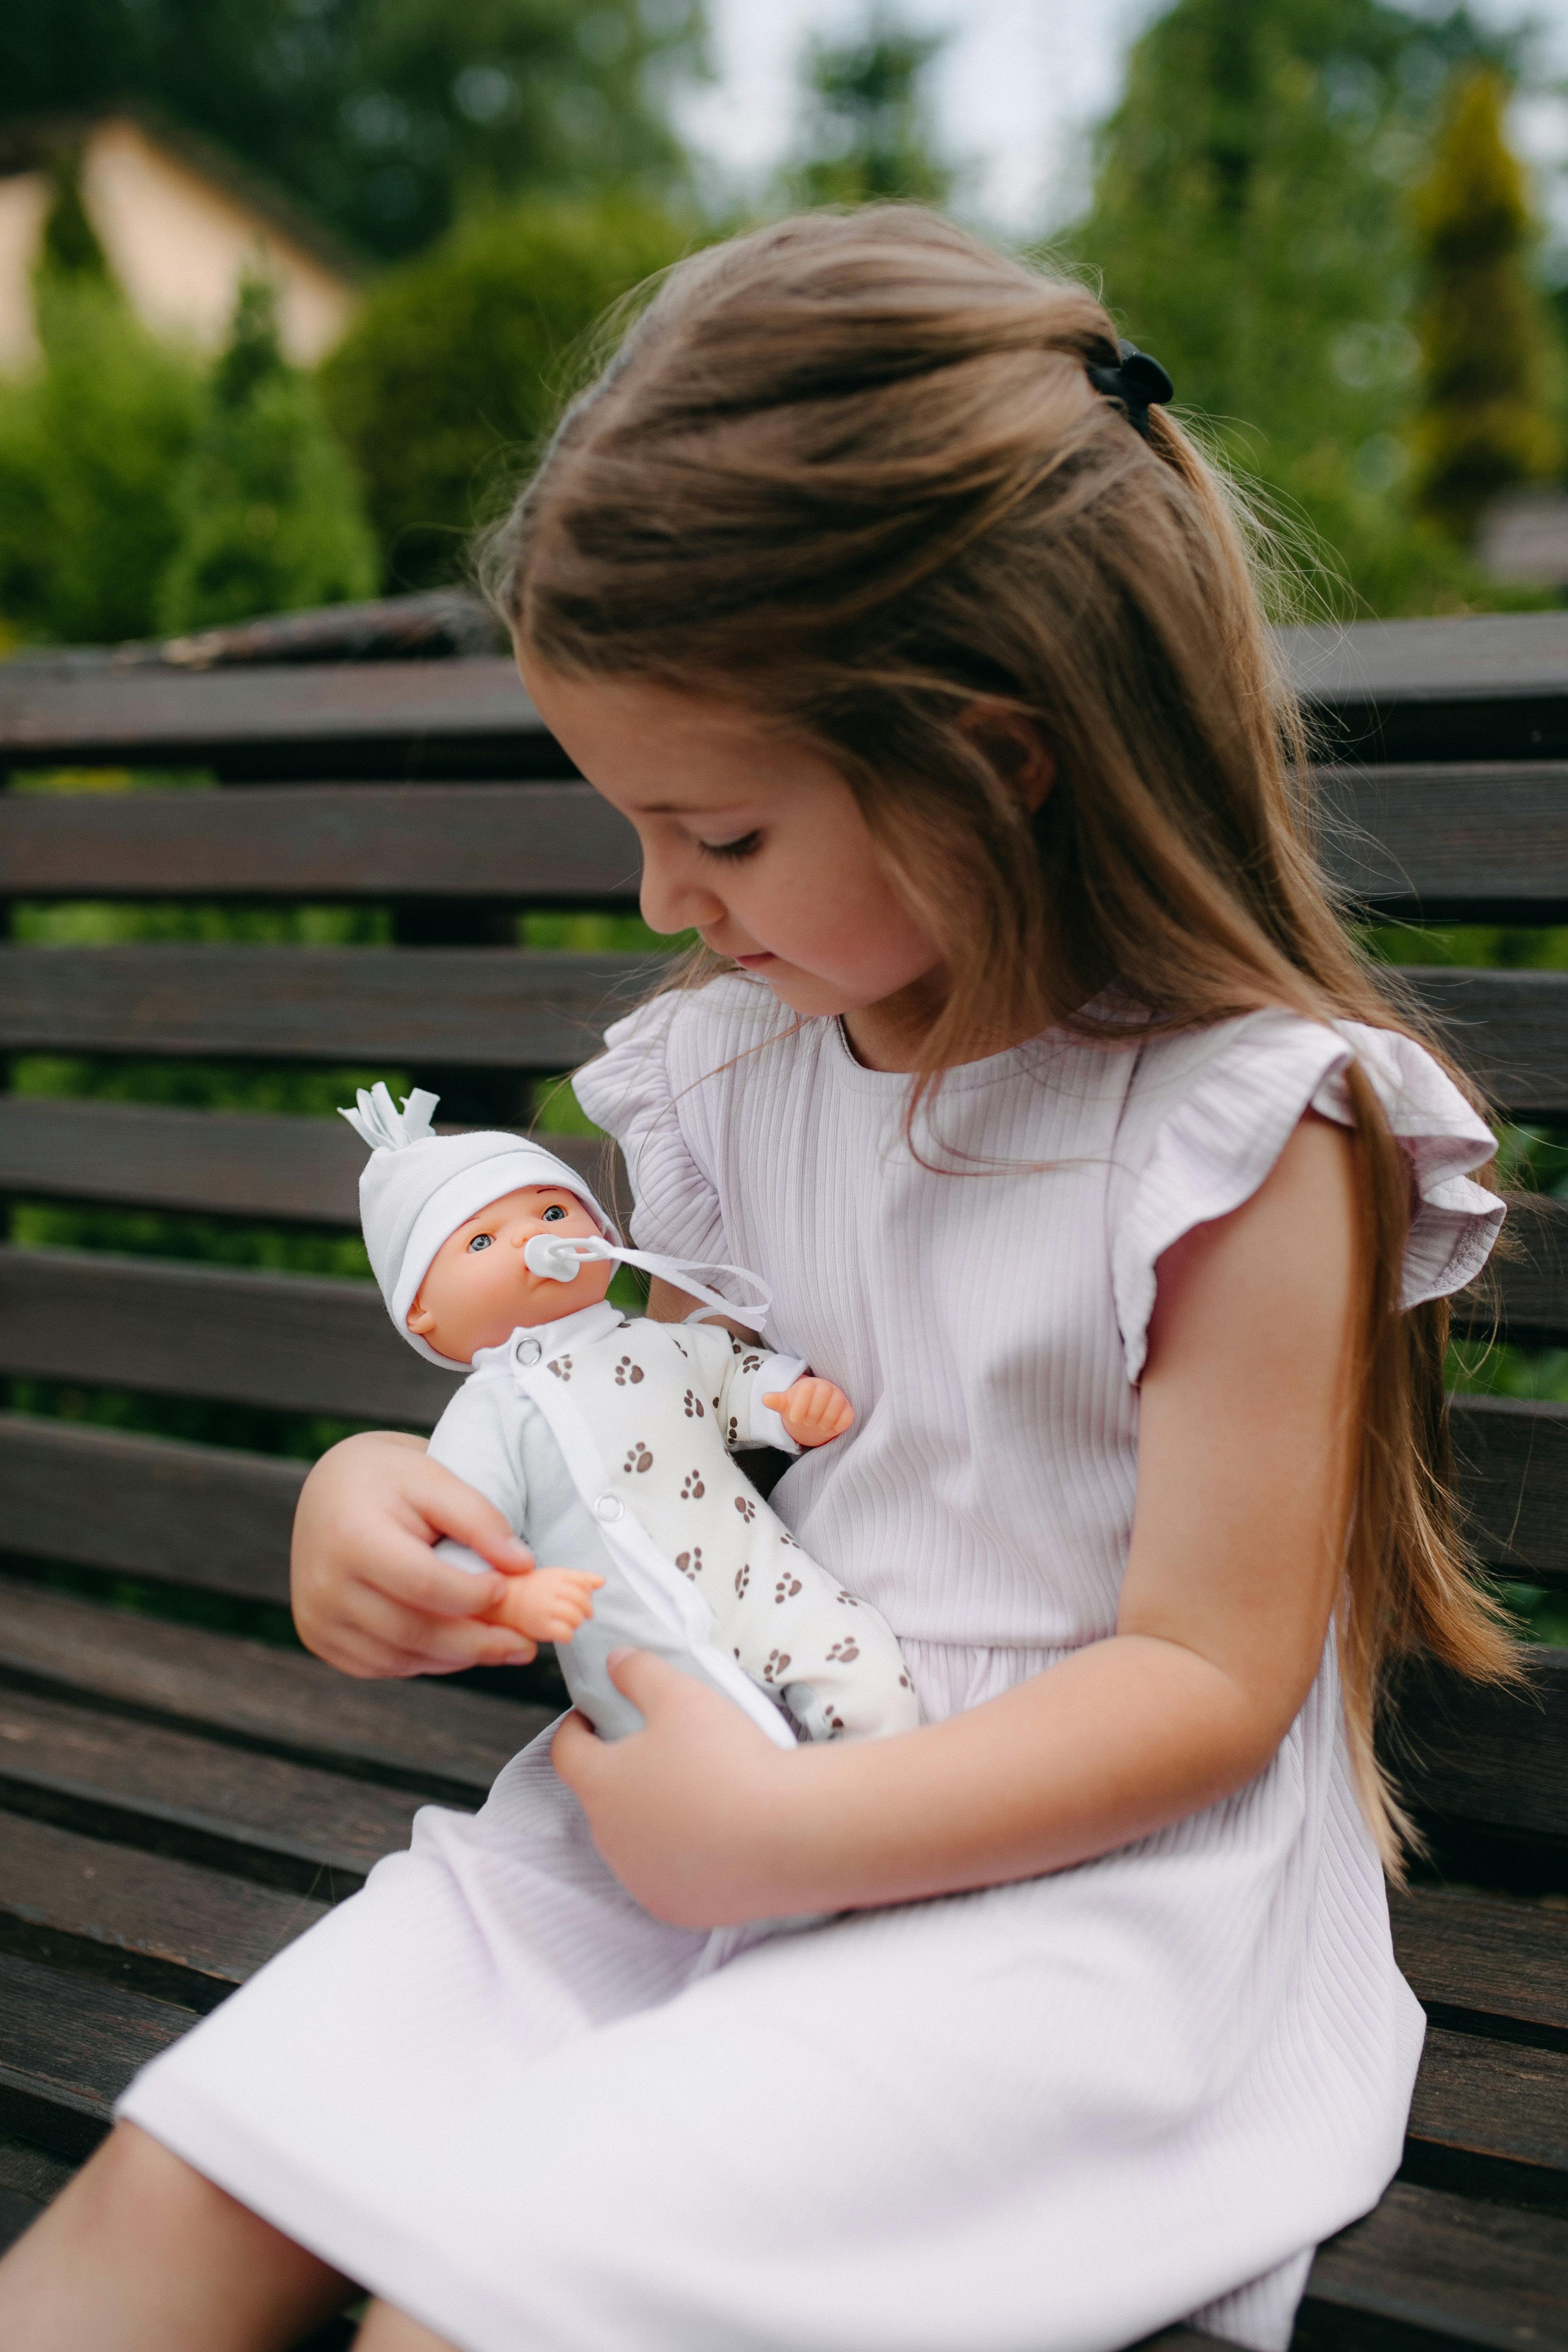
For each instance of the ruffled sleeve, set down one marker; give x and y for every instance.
(630, 1093)
(1203, 1133)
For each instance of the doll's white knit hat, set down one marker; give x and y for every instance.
(416, 1188)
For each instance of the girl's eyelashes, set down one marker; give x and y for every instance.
(744, 846)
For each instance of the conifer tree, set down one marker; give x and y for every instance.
(1482, 426)
(868, 136)
(70, 247)
(271, 517)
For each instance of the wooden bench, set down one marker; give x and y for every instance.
(176, 1802)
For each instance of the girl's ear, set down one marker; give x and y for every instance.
(1016, 749)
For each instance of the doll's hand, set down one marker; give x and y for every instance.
(548, 1606)
(814, 1411)
(696, 1813)
(369, 1595)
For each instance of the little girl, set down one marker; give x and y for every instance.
(1027, 1063)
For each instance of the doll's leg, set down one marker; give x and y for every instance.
(142, 2252)
(386, 2330)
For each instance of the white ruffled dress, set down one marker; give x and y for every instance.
(1049, 2118)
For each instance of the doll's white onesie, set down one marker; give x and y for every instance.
(584, 1431)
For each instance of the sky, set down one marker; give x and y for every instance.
(1015, 90)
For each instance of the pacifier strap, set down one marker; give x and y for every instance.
(681, 1271)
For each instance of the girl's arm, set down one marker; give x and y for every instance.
(1244, 1478)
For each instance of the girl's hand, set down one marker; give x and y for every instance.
(369, 1595)
(695, 1814)
(814, 1411)
(548, 1606)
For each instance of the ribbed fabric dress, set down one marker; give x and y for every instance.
(1049, 2118)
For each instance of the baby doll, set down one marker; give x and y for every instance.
(604, 1440)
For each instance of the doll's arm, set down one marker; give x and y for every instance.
(748, 1382)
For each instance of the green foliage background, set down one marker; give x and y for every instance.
(455, 366)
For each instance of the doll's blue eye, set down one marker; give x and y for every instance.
(481, 1241)
(553, 1214)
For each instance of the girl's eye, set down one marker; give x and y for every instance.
(746, 845)
(481, 1241)
(553, 1214)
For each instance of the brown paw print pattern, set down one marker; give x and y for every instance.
(844, 1651)
(742, 1579)
(692, 1490)
(627, 1373)
(690, 1563)
(733, 1431)
(787, 1587)
(834, 1721)
(786, 1538)
(561, 1366)
(773, 1671)
(746, 1508)
(696, 1409)
(845, 1599)
(639, 1457)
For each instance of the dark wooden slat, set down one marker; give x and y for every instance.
(1428, 2268)
(151, 1508)
(482, 1007)
(285, 1825)
(1490, 686)
(1494, 1758)
(1491, 1963)
(1477, 689)
(1480, 843)
(1493, 2104)
(419, 1735)
(289, 1341)
(160, 1926)
(541, 844)
(67, 2049)
(1523, 1299)
(1511, 1458)
(29, 2179)
(1509, 1030)
(316, 720)
(224, 1163)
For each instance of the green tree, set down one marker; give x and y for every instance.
(386, 116)
(1250, 219)
(867, 133)
(1482, 425)
(455, 363)
(92, 443)
(271, 517)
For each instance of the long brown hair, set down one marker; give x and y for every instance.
(851, 471)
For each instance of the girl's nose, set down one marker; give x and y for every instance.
(674, 901)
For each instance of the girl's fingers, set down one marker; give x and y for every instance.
(453, 1508)
(412, 1573)
(437, 1644)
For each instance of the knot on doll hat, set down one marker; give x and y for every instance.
(417, 1187)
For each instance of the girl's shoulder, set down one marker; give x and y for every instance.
(1208, 1111)
(671, 1043)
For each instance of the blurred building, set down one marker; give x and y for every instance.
(1524, 540)
(178, 224)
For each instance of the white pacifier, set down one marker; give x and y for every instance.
(559, 1257)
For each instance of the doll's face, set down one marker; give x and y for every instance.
(478, 1289)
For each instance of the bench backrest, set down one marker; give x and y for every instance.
(431, 789)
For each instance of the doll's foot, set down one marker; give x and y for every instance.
(548, 1606)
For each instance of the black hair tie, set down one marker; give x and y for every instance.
(1136, 383)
